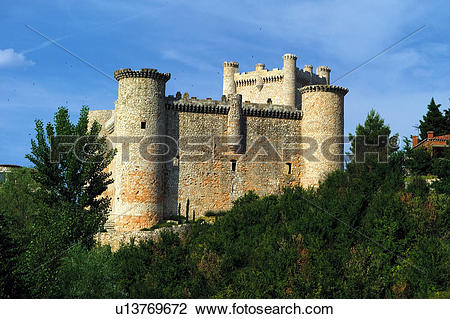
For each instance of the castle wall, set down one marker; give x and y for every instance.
(212, 184)
(251, 93)
(116, 239)
(102, 117)
(105, 117)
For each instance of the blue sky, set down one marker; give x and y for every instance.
(191, 39)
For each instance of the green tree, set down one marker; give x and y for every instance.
(441, 168)
(10, 282)
(89, 274)
(434, 121)
(447, 120)
(419, 161)
(76, 176)
(18, 201)
(373, 132)
(72, 184)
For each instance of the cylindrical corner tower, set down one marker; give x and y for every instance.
(289, 71)
(229, 69)
(322, 123)
(139, 182)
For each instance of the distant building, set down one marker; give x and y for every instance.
(436, 144)
(5, 169)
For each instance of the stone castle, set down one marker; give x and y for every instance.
(255, 138)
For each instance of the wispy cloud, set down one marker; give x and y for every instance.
(10, 58)
(43, 45)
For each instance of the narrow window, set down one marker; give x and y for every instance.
(233, 165)
(289, 168)
(143, 124)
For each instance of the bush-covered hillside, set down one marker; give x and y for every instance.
(375, 230)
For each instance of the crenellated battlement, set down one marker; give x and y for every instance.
(258, 72)
(231, 64)
(289, 56)
(308, 68)
(143, 73)
(324, 88)
(306, 76)
(253, 80)
(260, 66)
(220, 107)
(323, 68)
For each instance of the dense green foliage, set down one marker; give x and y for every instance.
(361, 234)
(421, 163)
(435, 121)
(373, 132)
(72, 179)
(55, 204)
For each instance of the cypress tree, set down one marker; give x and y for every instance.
(372, 133)
(434, 121)
(187, 211)
(447, 120)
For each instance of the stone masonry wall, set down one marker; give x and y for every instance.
(212, 184)
(260, 86)
(103, 117)
(117, 238)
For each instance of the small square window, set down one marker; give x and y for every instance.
(143, 125)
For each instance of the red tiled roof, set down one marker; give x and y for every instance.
(435, 140)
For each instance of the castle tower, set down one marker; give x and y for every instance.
(260, 67)
(308, 68)
(324, 72)
(289, 71)
(235, 122)
(139, 180)
(323, 121)
(229, 69)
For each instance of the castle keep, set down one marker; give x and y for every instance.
(268, 131)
